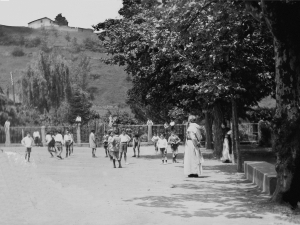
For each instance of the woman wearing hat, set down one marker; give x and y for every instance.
(193, 158)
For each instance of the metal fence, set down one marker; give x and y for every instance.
(179, 129)
(248, 132)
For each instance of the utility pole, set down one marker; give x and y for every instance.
(13, 87)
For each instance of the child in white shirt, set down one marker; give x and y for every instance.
(27, 142)
(162, 145)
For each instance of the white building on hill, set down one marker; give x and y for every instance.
(47, 23)
(43, 22)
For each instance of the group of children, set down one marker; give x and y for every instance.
(54, 141)
(161, 144)
(115, 145)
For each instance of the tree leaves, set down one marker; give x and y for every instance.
(184, 52)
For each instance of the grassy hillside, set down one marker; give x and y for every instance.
(109, 82)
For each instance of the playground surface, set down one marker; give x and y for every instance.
(81, 190)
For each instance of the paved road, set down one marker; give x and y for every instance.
(82, 190)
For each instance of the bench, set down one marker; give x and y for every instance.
(262, 174)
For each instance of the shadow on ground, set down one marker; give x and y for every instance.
(229, 196)
(158, 156)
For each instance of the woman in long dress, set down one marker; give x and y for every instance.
(225, 153)
(193, 158)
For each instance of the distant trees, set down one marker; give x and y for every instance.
(80, 105)
(53, 85)
(61, 20)
(46, 82)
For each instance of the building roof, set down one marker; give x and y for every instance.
(40, 19)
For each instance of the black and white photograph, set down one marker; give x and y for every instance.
(149, 112)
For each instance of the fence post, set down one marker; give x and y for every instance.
(149, 133)
(43, 133)
(78, 135)
(7, 136)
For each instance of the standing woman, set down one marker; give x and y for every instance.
(193, 158)
(92, 142)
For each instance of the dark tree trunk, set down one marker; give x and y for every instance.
(283, 19)
(208, 130)
(218, 133)
(236, 139)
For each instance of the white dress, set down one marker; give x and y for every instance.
(225, 152)
(193, 159)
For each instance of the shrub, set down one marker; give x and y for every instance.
(54, 31)
(18, 52)
(68, 37)
(34, 42)
(21, 40)
(45, 48)
(92, 45)
(265, 139)
(75, 48)
(7, 40)
(95, 76)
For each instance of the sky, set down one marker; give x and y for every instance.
(79, 13)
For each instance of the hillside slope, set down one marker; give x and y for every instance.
(108, 82)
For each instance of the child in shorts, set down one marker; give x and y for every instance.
(27, 142)
(136, 145)
(162, 145)
(105, 143)
(174, 141)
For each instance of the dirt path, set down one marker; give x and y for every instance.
(88, 191)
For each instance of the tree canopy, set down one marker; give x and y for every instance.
(189, 55)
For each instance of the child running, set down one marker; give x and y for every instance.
(154, 140)
(174, 142)
(162, 144)
(27, 142)
(50, 143)
(59, 141)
